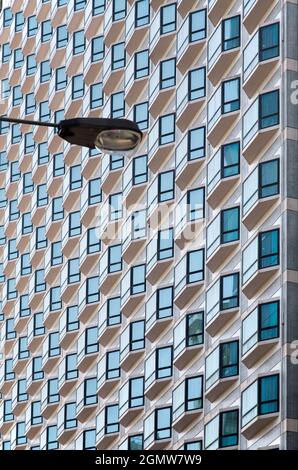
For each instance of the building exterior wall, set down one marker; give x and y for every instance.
(98, 69)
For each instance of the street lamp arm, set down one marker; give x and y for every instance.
(28, 122)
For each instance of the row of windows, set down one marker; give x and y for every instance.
(259, 399)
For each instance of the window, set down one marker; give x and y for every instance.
(168, 18)
(262, 182)
(55, 299)
(118, 56)
(89, 439)
(75, 177)
(52, 442)
(117, 105)
(37, 372)
(61, 36)
(96, 95)
(18, 58)
(56, 253)
(269, 109)
(74, 274)
(135, 442)
(31, 26)
(9, 329)
(93, 242)
(163, 420)
(28, 185)
(46, 31)
(223, 362)
(17, 96)
(30, 65)
(142, 13)
(113, 311)
(262, 252)
(44, 111)
(21, 433)
(97, 49)
(141, 115)
(189, 270)
(98, 8)
(30, 104)
(45, 71)
(166, 129)
(7, 17)
(224, 229)
(223, 295)
(222, 431)
(90, 392)
(79, 5)
(91, 344)
(5, 88)
(260, 398)
(38, 328)
(114, 259)
(269, 41)
(188, 396)
(53, 344)
(6, 53)
(115, 202)
(78, 42)
(26, 268)
(61, 78)
(119, 9)
(197, 25)
(74, 228)
(7, 411)
(194, 329)
(42, 196)
(194, 445)
(78, 87)
(225, 100)
(72, 322)
(112, 365)
(141, 64)
(29, 143)
(167, 73)
(58, 165)
(231, 33)
(261, 324)
(19, 22)
(160, 305)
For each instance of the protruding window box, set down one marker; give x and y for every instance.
(188, 339)
(51, 312)
(131, 401)
(90, 201)
(260, 193)
(75, 17)
(134, 235)
(64, 435)
(160, 255)
(58, 14)
(223, 235)
(190, 153)
(93, 19)
(54, 183)
(190, 98)
(260, 333)
(160, 198)
(36, 332)
(132, 345)
(159, 313)
(223, 173)
(158, 371)
(222, 370)
(93, 60)
(114, 25)
(89, 299)
(223, 48)
(133, 289)
(20, 362)
(108, 328)
(158, 429)
(107, 279)
(49, 362)
(260, 406)
(70, 238)
(161, 143)
(5, 426)
(189, 277)
(53, 224)
(183, 6)
(49, 403)
(222, 303)
(18, 404)
(52, 270)
(23, 236)
(162, 33)
(254, 11)
(86, 405)
(33, 386)
(7, 342)
(135, 32)
(189, 217)
(191, 39)
(260, 59)
(107, 427)
(42, 11)
(111, 76)
(32, 430)
(65, 385)
(37, 212)
(217, 9)
(134, 86)
(223, 110)
(260, 262)
(260, 125)
(36, 292)
(107, 380)
(89, 251)
(187, 403)
(21, 319)
(91, 159)
(70, 280)
(87, 349)
(112, 168)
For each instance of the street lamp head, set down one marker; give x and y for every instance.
(108, 135)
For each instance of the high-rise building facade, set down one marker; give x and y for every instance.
(149, 301)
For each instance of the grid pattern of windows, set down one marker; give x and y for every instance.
(139, 292)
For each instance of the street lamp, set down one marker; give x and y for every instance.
(108, 135)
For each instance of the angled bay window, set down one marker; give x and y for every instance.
(159, 312)
(187, 402)
(162, 30)
(190, 97)
(109, 319)
(158, 371)
(134, 178)
(108, 373)
(223, 47)
(222, 369)
(107, 425)
(260, 261)
(223, 171)
(191, 38)
(260, 404)
(161, 141)
(66, 420)
(222, 302)
(132, 344)
(88, 348)
(190, 210)
(161, 190)
(136, 74)
(133, 288)
(260, 332)
(159, 254)
(222, 431)
(110, 264)
(134, 234)
(131, 400)
(223, 235)
(189, 156)
(260, 192)
(189, 276)
(158, 428)
(223, 110)
(161, 86)
(260, 57)
(86, 399)
(260, 124)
